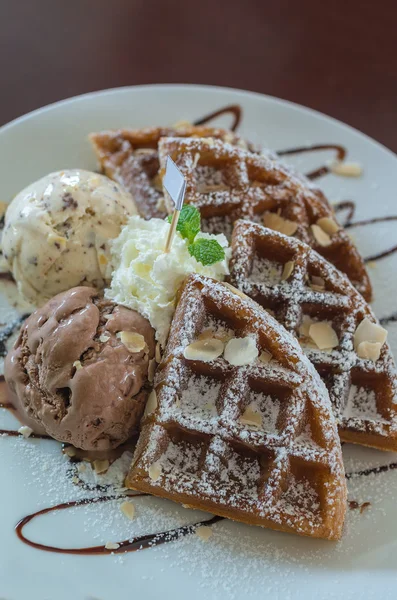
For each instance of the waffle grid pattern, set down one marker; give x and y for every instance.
(248, 185)
(290, 477)
(363, 393)
(130, 157)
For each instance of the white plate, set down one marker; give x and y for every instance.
(238, 561)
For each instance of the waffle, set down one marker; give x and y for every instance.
(228, 183)
(130, 157)
(290, 279)
(255, 443)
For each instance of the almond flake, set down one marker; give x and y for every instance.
(265, 357)
(347, 169)
(317, 283)
(328, 225)
(70, 451)
(320, 235)
(104, 338)
(134, 342)
(196, 158)
(287, 271)
(204, 350)
(140, 151)
(369, 350)
(25, 431)
(155, 471)
(151, 403)
(77, 365)
(367, 331)
(204, 532)
(128, 510)
(158, 352)
(251, 417)
(157, 182)
(112, 546)
(277, 223)
(101, 466)
(304, 327)
(241, 351)
(151, 370)
(235, 290)
(323, 335)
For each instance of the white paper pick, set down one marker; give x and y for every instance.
(175, 183)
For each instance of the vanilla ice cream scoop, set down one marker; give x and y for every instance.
(57, 232)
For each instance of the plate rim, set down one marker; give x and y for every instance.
(202, 87)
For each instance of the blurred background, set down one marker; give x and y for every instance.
(338, 57)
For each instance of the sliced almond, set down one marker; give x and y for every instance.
(104, 338)
(155, 471)
(323, 335)
(265, 356)
(278, 223)
(134, 342)
(70, 451)
(204, 532)
(196, 158)
(241, 351)
(204, 350)
(251, 417)
(235, 290)
(128, 510)
(101, 466)
(287, 271)
(151, 404)
(347, 169)
(112, 546)
(317, 283)
(77, 365)
(304, 327)
(142, 151)
(328, 225)
(367, 331)
(25, 431)
(151, 370)
(102, 259)
(320, 235)
(158, 352)
(369, 350)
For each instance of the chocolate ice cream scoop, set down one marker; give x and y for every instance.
(79, 370)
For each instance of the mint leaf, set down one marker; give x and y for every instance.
(189, 222)
(207, 251)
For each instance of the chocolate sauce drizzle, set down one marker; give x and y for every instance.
(137, 543)
(340, 155)
(234, 109)
(8, 331)
(147, 541)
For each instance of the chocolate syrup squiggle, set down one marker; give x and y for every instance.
(340, 155)
(8, 331)
(137, 543)
(234, 109)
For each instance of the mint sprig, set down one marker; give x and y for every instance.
(207, 251)
(188, 223)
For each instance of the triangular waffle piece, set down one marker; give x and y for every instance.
(227, 183)
(130, 157)
(300, 288)
(255, 443)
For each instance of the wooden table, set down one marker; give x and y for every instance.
(339, 57)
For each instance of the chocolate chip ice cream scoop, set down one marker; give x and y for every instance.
(79, 370)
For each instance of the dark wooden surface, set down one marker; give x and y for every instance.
(339, 57)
